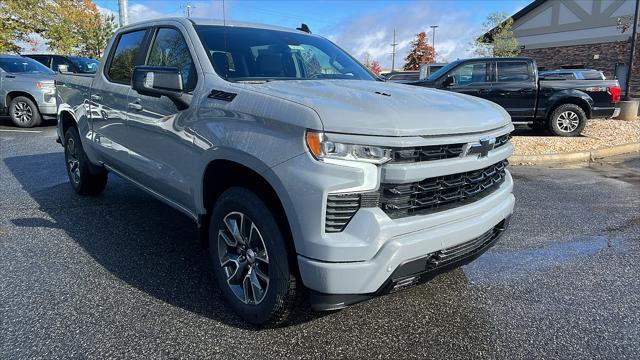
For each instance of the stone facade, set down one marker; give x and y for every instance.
(608, 55)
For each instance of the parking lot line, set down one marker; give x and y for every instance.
(24, 131)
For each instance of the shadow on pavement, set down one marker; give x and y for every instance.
(138, 239)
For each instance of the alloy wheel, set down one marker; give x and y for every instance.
(243, 258)
(568, 121)
(73, 163)
(22, 112)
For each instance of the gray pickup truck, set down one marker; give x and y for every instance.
(27, 91)
(304, 174)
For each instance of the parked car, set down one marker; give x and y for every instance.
(27, 91)
(427, 69)
(300, 169)
(562, 107)
(400, 76)
(61, 63)
(572, 74)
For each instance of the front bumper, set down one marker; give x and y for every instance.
(415, 237)
(418, 270)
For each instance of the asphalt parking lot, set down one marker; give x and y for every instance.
(122, 275)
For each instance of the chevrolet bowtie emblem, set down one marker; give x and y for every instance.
(481, 148)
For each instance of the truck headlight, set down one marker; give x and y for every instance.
(321, 148)
(46, 85)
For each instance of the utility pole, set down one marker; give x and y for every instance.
(433, 37)
(187, 9)
(123, 12)
(393, 52)
(632, 52)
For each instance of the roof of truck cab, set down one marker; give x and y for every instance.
(215, 22)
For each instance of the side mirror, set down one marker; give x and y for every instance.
(62, 68)
(449, 81)
(160, 81)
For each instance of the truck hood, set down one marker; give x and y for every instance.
(382, 108)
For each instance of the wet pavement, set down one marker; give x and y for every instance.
(121, 275)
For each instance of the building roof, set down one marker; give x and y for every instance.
(488, 36)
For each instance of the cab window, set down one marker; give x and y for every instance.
(509, 71)
(124, 57)
(470, 73)
(170, 49)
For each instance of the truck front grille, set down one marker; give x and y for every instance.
(440, 193)
(435, 152)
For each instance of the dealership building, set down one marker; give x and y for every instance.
(579, 34)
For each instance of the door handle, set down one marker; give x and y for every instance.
(96, 97)
(135, 106)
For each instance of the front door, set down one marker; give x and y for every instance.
(472, 79)
(161, 150)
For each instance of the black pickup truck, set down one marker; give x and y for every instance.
(559, 105)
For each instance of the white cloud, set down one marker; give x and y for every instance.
(372, 32)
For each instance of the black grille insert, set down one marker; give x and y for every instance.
(436, 152)
(440, 193)
(342, 207)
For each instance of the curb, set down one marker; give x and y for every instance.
(580, 156)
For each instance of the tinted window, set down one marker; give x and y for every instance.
(470, 73)
(592, 75)
(85, 65)
(59, 60)
(170, 49)
(513, 71)
(23, 65)
(246, 54)
(44, 60)
(124, 57)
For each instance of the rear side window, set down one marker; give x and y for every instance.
(513, 71)
(170, 49)
(124, 57)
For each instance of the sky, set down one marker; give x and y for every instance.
(361, 27)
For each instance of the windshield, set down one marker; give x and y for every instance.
(85, 65)
(262, 55)
(443, 70)
(23, 65)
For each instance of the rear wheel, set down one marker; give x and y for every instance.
(83, 180)
(250, 259)
(24, 113)
(567, 120)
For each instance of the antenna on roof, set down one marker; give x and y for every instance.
(304, 28)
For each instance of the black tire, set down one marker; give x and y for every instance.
(567, 120)
(85, 179)
(24, 112)
(277, 300)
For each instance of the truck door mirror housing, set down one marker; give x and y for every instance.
(160, 81)
(449, 81)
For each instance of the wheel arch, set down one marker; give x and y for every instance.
(222, 172)
(16, 93)
(584, 102)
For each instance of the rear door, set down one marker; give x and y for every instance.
(514, 88)
(109, 99)
(472, 78)
(161, 150)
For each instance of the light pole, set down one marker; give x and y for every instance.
(433, 35)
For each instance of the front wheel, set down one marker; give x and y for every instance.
(24, 113)
(83, 180)
(250, 259)
(567, 120)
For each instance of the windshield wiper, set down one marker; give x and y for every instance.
(253, 81)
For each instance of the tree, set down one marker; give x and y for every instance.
(498, 38)
(74, 27)
(375, 67)
(421, 53)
